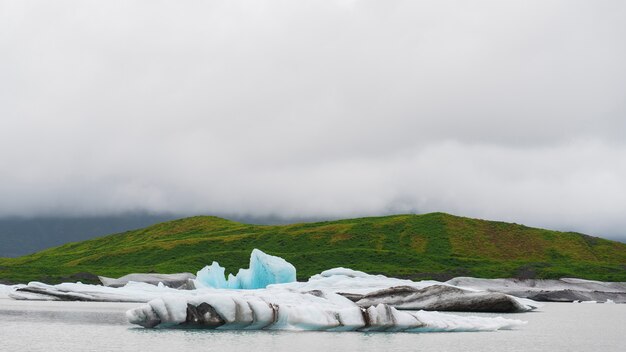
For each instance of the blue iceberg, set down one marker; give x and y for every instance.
(264, 270)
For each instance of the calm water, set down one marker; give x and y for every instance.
(80, 326)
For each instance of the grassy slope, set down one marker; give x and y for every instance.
(433, 245)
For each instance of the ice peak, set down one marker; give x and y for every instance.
(264, 270)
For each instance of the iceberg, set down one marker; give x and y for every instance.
(367, 290)
(354, 282)
(180, 280)
(264, 270)
(5, 290)
(277, 309)
(546, 290)
(211, 276)
(444, 298)
(137, 292)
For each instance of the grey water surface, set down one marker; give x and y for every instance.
(87, 326)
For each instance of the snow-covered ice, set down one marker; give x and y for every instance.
(366, 289)
(279, 309)
(561, 290)
(353, 281)
(179, 280)
(132, 292)
(5, 290)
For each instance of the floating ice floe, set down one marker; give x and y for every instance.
(280, 309)
(6, 289)
(562, 290)
(367, 290)
(137, 292)
(180, 280)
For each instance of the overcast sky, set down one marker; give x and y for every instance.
(507, 110)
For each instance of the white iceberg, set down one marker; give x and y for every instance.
(179, 280)
(138, 292)
(5, 290)
(549, 290)
(344, 280)
(280, 309)
(367, 290)
(264, 270)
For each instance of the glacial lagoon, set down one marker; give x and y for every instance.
(51, 326)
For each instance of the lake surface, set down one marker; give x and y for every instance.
(85, 326)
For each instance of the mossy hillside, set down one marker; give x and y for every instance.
(435, 245)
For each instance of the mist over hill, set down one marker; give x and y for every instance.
(21, 236)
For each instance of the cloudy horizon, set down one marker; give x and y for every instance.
(512, 111)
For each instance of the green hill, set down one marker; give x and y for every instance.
(435, 245)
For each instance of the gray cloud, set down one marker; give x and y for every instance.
(505, 110)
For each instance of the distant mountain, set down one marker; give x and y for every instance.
(435, 245)
(21, 236)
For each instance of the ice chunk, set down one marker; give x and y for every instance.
(276, 309)
(211, 276)
(264, 270)
(5, 290)
(356, 282)
(131, 292)
(367, 290)
(443, 297)
(178, 280)
(561, 290)
(341, 271)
